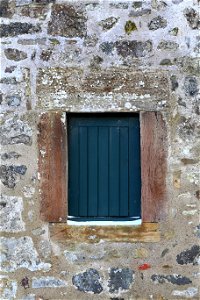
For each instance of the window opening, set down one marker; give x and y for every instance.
(104, 168)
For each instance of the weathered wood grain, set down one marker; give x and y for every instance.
(153, 166)
(63, 233)
(52, 167)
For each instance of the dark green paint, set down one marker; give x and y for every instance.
(104, 166)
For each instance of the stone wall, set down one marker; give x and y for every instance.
(71, 56)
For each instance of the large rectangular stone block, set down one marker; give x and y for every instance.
(114, 89)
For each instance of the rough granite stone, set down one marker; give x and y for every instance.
(191, 86)
(46, 54)
(192, 17)
(174, 279)
(15, 54)
(107, 47)
(68, 21)
(189, 65)
(174, 82)
(8, 174)
(167, 45)
(108, 23)
(37, 11)
(96, 61)
(11, 214)
(23, 256)
(119, 5)
(137, 4)
(9, 80)
(38, 41)
(174, 31)
(188, 294)
(8, 288)
(13, 100)
(15, 131)
(10, 155)
(189, 256)
(139, 13)
(133, 48)
(88, 281)
(6, 8)
(48, 282)
(18, 28)
(120, 279)
(91, 40)
(157, 23)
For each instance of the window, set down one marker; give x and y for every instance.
(53, 165)
(104, 167)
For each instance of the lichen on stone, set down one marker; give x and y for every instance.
(130, 27)
(88, 281)
(120, 279)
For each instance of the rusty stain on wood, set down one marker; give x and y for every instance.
(63, 233)
(52, 167)
(153, 166)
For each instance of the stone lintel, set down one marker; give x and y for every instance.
(114, 89)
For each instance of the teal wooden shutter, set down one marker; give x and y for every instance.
(104, 167)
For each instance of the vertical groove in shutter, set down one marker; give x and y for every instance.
(83, 154)
(92, 169)
(103, 171)
(124, 167)
(114, 172)
(134, 167)
(74, 171)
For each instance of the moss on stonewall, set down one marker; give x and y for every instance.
(129, 27)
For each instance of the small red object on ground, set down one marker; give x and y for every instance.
(144, 267)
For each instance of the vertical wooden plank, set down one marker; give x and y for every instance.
(123, 172)
(92, 172)
(134, 168)
(114, 172)
(74, 174)
(52, 167)
(83, 155)
(103, 172)
(153, 163)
